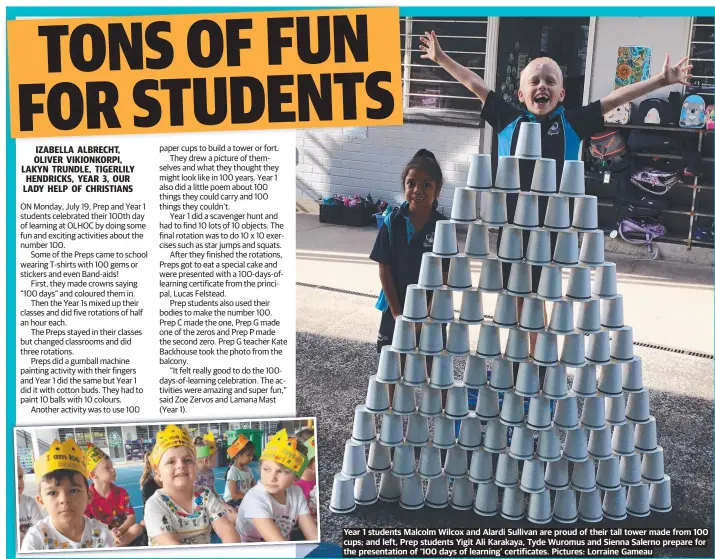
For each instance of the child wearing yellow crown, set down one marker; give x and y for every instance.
(273, 507)
(206, 460)
(177, 514)
(64, 493)
(108, 503)
(239, 478)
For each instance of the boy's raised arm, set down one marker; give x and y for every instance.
(470, 80)
(668, 76)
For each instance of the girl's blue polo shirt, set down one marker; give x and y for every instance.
(402, 253)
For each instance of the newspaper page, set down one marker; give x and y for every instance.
(345, 281)
(151, 357)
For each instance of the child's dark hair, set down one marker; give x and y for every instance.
(250, 447)
(425, 161)
(58, 476)
(304, 435)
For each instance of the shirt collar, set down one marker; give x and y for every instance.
(558, 111)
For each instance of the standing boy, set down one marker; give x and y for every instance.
(541, 91)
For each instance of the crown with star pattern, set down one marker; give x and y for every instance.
(94, 456)
(283, 450)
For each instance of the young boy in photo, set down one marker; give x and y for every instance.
(64, 493)
(108, 503)
(28, 512)
(541, 91)
(177, 513)
(275, 505)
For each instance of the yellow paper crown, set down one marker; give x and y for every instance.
(283, 450)
(62, 456)
(94, 456)
(209, 448)
(237, 446)
(170, 437)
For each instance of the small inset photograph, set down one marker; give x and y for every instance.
(229, 482)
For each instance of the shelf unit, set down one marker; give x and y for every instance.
(691, 209)
(702, 56)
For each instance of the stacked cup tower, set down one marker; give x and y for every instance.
(585, 452)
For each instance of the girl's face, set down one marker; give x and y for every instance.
(177, 468)
(275, 478)
(245, 459)
(420, 190)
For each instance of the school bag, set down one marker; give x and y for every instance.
(646, 194)
(692, 114)
(609, 151)
(619, 115)
(653, 111)
(381, 304)
(651, 141)
(641, 231)
(710, 117)
(655, 182)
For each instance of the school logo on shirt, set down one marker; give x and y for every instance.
(554, 130)
(429, 240)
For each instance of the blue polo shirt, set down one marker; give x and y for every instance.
(561, 132)
(561, 135)
(402, 248)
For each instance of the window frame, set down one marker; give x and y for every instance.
(438, 116)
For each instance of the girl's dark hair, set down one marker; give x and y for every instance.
(304, 435)
(246, 449)
(425, 161)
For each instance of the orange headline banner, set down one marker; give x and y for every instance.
(193, 73)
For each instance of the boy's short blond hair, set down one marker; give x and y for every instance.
(543, 60)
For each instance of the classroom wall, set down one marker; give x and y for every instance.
(664, 34)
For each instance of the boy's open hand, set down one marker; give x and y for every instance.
(430, 47)
(678, 73)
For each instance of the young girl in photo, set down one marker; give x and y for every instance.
(401, 243)
(239, 477)
(177, 513)
(406, 234)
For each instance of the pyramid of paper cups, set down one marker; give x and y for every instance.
(499, 441)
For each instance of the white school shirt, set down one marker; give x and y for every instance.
(163, 516)
(44, 535)
(258, 503)
(243, 478)
(28, 514)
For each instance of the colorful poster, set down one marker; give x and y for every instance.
(633, 65)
